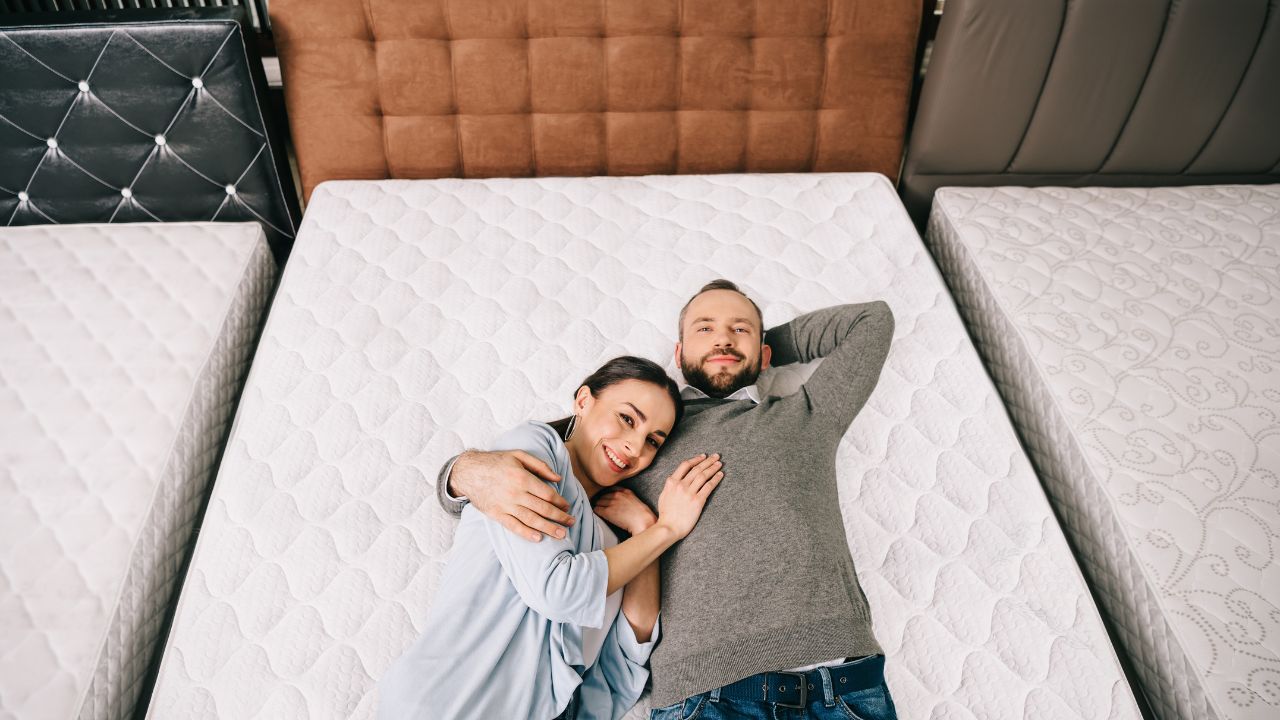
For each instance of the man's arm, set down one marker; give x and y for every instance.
(509, 486)
(853, 339)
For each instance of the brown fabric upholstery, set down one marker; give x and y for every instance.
(483, 88)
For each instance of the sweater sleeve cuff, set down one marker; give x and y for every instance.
(782, 343)
(634, 650)
(449, 503)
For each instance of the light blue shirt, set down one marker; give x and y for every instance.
(504, 636)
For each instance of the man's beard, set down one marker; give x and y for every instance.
(722, 384)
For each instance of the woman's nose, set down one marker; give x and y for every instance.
(630, 444)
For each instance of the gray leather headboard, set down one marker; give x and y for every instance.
(1098, 92)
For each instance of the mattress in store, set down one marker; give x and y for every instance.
(417, 318)
(1135, 335)
(122, 353)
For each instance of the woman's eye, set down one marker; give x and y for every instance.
(654, 443)
(627, 419)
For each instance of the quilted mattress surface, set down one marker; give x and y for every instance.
(1135, 334)
(122, 351)
(417, 318)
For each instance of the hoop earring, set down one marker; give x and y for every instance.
(568, 431)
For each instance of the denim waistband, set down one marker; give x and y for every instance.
(792, 689)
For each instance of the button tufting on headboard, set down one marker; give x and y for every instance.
(127, 122)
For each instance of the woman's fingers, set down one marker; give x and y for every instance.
(697, 481)
(705, 491)
(683, 468)
(704, 470)
(698, 467)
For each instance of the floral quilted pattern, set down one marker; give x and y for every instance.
(1136, 335)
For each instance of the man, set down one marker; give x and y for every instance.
(762, 611)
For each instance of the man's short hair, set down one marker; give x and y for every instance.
(721, 284)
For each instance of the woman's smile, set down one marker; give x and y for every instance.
(614, 461)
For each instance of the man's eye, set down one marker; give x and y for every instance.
(703, 328)
(627, 419)
(741, 330)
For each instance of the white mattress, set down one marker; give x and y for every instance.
(1134, 334)
(416, 318)
(122, 352)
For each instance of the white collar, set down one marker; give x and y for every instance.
(750, 392)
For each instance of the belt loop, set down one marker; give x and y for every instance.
(715, 695)
(828, 697)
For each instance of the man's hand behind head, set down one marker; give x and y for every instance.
(510, 486)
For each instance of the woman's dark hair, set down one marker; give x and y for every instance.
(627, 367)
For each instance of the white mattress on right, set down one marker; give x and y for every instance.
(1135, 336)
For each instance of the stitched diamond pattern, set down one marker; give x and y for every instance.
(128, 123)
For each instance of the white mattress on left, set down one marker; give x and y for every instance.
(122, 352)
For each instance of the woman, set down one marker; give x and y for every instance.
(522, 629)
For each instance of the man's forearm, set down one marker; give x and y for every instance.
(819, 333)
(854, 342)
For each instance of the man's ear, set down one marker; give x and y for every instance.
(678, 353)
(766, 354)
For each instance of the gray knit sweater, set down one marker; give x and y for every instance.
(765, 581)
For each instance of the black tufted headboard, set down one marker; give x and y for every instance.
(160, 120)
(1098, 92)
(256, 10)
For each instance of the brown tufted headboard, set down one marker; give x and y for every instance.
(482, 88)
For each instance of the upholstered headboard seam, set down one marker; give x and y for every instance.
(1145, 92)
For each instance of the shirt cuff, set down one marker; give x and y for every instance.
(594, 613)
(634, 650)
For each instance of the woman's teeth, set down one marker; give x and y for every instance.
(616, 460)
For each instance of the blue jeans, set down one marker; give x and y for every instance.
(825, 703)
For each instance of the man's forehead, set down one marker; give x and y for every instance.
(721, 305)
(713, 318)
